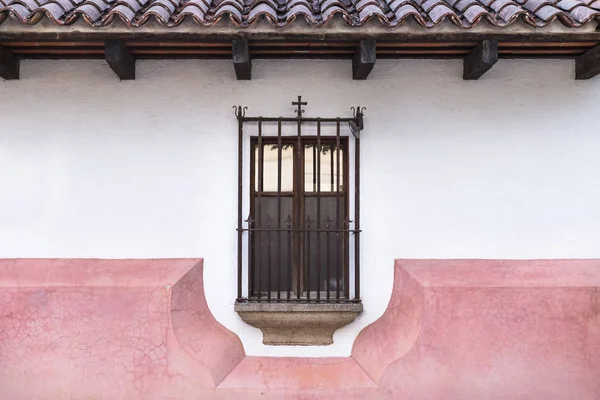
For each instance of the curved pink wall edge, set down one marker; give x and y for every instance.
(396, 331)
(489, 329)
(195, 327)
(454, 329)
(119, 329)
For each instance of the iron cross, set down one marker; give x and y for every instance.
(299, 103)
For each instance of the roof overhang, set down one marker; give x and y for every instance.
(336, 40)
(300, 30)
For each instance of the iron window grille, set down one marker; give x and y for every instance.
(299, 237)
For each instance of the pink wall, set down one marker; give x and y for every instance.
(454, 329)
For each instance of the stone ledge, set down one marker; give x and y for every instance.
(301, 324)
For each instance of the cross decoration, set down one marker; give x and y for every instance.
(299, 103)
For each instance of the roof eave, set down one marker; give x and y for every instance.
(299, 30)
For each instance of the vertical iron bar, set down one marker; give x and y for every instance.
(318, 161)
(251, 222)
(290, 258)
(258, 208)
(307, 245)
(300, 202)
(240, 193)
(270, 250)
(279, 155)
(327, 252)
(357, 218)
(339, 243)
(251, 241)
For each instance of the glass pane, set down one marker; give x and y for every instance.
(324, 247)
(270, 176)
(272, 245)
(328, 168)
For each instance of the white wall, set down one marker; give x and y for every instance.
(504, 167)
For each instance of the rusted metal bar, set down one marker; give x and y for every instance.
(342, 300)
(295, 119)
(240, 111)
(307, 247)
(258, 208)
(318, 161)
(327, 253)
(339, 243)
(251, 241)
(269, 252)
(357, 218)
(299, 230)
(279, 155)
(298, 191)
(290, 258)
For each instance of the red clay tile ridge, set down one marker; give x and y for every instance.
(243, 13)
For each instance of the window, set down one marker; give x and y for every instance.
(299, 214)
(300, 234)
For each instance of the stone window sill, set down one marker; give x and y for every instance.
(302, 324)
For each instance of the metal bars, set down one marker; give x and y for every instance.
(298, 230)
(239, 113)
(318, 173)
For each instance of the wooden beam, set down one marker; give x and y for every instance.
(120, 59)
(242, 63)
(9, 64)
(480, 59)
(222, 32)
(587, 65)
(364, 59)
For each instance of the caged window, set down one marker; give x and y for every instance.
(300, 238)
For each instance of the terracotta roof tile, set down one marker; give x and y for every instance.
(390, 13)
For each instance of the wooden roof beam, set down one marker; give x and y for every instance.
(242, 63)
(587, 65)
(9, 64)
(363, 60)
(120, 59)
(480, 59)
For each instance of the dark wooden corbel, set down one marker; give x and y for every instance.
(120, 59)
(242, 63)
(9, 64)
(480, 59)
(587, 65)
(364, 59)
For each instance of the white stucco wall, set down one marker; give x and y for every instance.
(504, 167)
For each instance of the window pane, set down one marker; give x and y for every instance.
(328, 171)
(270, 176)
(324, 248)
(272, 249)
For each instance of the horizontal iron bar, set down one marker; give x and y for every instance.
(299, 230)
(305, 193)
(295, 119)
(296, 300)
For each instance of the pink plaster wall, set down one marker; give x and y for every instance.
(489, 329)
(109, 329)
(454, 329)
